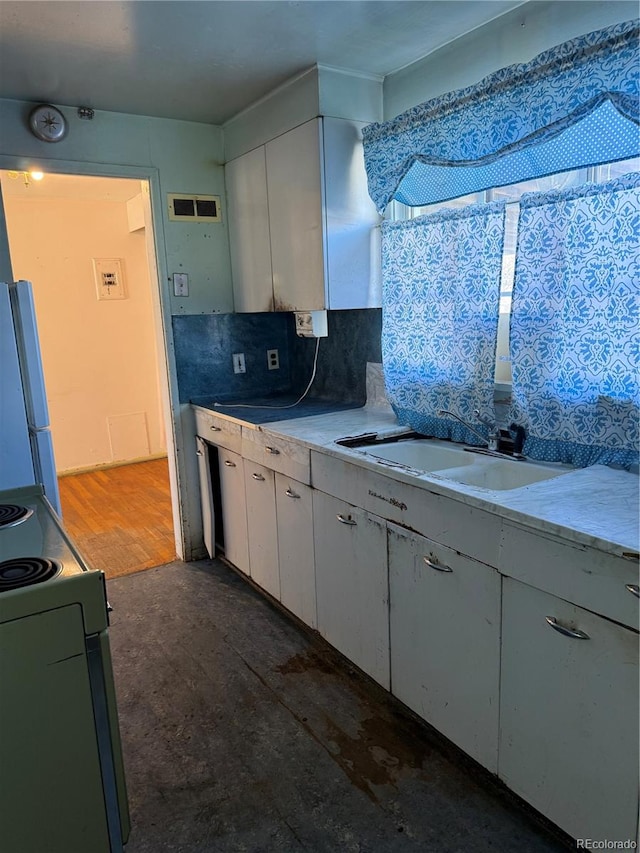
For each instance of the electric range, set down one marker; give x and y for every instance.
(59, 728)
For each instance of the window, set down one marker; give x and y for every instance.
(512, 194)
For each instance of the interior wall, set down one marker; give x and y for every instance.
(99, 356)
(179, 156)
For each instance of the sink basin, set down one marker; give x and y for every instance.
(453, 462)
(501, 475)
(422, 454)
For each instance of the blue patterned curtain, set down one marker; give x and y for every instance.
(441, 284)
(573, 106)
(575, 323)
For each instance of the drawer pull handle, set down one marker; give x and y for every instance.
(273, 450)
(434, 564)
(568, 632)
(216, 429)
(257, 476)
(291, 494)
(229, 463)
(344, 520)
(634, 589)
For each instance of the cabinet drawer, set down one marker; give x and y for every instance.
(279, 454)
(584, 576)
(217, 430)
(471, 531)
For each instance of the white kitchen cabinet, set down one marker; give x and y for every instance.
(295, 193)
(352, 583)
(262, 526)
(569, 714)
(304, 234)
(294, 508)
(249, 244)
(444, 615)
(234, 513)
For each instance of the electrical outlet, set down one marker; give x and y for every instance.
(273, 359)
(238, 362)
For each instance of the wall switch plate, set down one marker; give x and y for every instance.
(238, 362)
(273, 359)
(180, 284)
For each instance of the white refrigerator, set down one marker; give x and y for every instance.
(26, 446)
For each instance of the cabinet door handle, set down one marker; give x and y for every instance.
(434, 564)
(216, 429)
(568, 632)
(257, 476)
(344, 520)
(229, 463)
(199, 453)
(273, 450)
(291, 494)
(634, 589)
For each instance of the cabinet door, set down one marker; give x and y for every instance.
(352, 583)
(234, 513)
(445, 641)
(246, 181)
(294, 184)
(569, 714)
(295, 548)
(206, 497)
(262, 527)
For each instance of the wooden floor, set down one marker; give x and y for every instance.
(120, 518)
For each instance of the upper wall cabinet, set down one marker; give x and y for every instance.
(304, 234)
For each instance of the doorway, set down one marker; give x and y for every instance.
(85, 244)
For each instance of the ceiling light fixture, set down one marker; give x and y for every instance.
(27, 177)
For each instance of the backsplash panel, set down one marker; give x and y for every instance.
(205, 343)
(354, 339)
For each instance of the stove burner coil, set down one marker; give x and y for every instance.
(12, 514)
(24, 571)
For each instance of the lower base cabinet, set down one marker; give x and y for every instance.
(294, 508)
(261, 526)
(352, 583)
(445, 641)
(234, 514)
(569, 714)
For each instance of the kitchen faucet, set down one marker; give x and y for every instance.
(492, 447)
(494, 435)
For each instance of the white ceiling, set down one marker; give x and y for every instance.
(206, 60)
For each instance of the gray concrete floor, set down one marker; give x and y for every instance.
(243, 731)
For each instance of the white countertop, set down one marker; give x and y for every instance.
(594, 507)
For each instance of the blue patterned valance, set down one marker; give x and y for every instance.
(575, 322)
(441, 286)
(573, 106)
